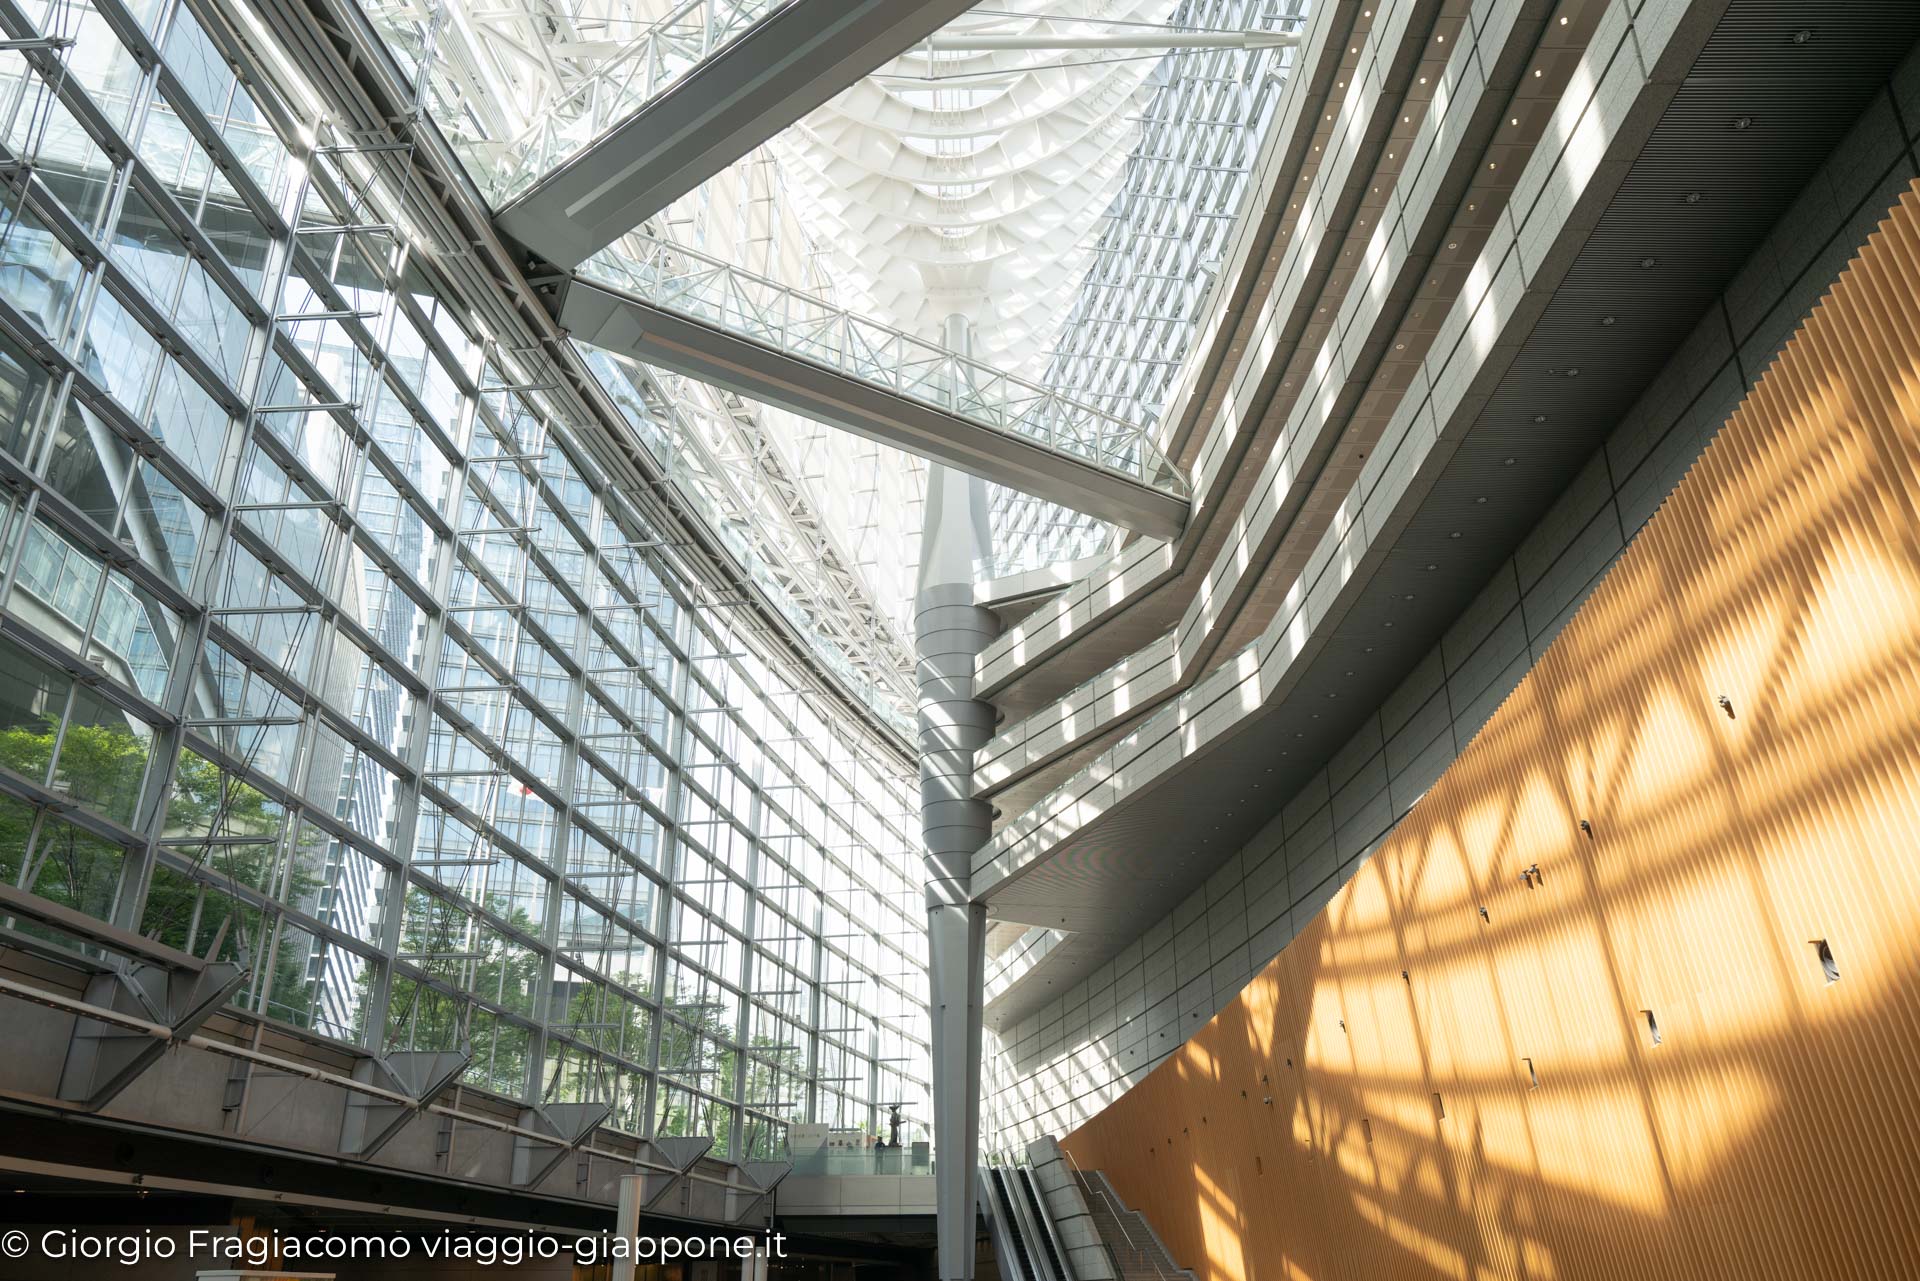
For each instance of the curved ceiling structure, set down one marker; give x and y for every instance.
(998, 172)
(967, 183)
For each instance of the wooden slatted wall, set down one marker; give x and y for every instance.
(1638, 1063)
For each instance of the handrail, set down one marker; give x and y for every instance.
(1044, 1211)
(999, 1222)
(687, 282)
(1119, 1220)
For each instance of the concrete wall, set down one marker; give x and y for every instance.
(1071, 1058)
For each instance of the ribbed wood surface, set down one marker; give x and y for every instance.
(1416, 1089)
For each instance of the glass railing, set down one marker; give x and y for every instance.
(643, 65)
(675, 278)
(905, 1159)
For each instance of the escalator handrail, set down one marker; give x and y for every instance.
(1006, 1232)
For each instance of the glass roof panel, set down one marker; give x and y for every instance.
(1018, 186)
(519, 86)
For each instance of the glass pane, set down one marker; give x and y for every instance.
(23, 397)
(148, 250)
(103, 757)
(33, 697)
(37, 272)
(16, 824)
(74, 868)
(163, 526)
(222, 823)
(190, 422)
(118, 353)
(89, 465)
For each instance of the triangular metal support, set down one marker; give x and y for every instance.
(764, 1177)
(371, 1121)
(569, 1124)
(104, 1058)
(679, 1153)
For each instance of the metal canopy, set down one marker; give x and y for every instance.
(788, 63)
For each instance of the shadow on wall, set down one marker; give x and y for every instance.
(1630, 993)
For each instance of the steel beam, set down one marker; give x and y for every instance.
(787, 64)
(570, 1124)
(629, 325)
(104, 1057)
(371, 1120)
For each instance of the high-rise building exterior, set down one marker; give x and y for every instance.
(1070, 640)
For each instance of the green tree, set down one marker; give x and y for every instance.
(101, 767)
(443, 938)
(239, 830)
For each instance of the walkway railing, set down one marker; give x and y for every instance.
(644, 67)
(1130, 1258)
(681, 280)
(875, 1160)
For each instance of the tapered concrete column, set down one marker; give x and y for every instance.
(949, 633)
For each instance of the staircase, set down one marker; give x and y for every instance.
(1137, 1252)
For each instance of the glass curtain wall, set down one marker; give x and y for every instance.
(324, 644)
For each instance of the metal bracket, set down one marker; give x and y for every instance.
(680, 1153)
(370, 1121)
(765, 1176)
(103, 1059)
(570, 1124)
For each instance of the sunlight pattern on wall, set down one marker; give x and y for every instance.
(1626, 994)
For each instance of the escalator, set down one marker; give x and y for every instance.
(1024, 1240)
(1009, 1248)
